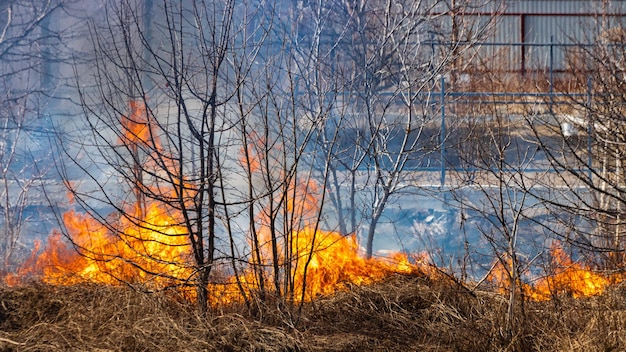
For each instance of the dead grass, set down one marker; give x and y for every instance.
(404, 313)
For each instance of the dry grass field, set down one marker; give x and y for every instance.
(401, 313)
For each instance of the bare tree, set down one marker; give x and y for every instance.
(494, 187)
(281, 116)
(195, 164)
(158, 121)
(26, 46)
(583, 141)
(384, 58)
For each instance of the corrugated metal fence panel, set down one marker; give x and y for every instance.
(506, 30)
(540, 31)
(563, 7)
(532, 26)
(555, 30)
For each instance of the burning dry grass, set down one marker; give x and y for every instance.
(105, 318)
(403, 313)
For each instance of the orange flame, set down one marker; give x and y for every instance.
(137, 128)
(156, 254)
(566, 278)
(251, 156)
(319, 262)
(153, 252)
(146, 244)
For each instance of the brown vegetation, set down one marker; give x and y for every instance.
(403, 313)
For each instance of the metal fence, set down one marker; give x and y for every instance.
(452, 98)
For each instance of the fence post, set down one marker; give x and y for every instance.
(589, 130)
(442, 138)
(551, 75)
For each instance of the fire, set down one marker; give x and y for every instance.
(318, 262)
(334, 261)
(153, 252)
(137, 127)
(146, 243)
(567, 277)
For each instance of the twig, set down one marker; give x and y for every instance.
(3, 339)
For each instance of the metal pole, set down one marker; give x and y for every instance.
(589, 130)
(551, 74)
(443, 132)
